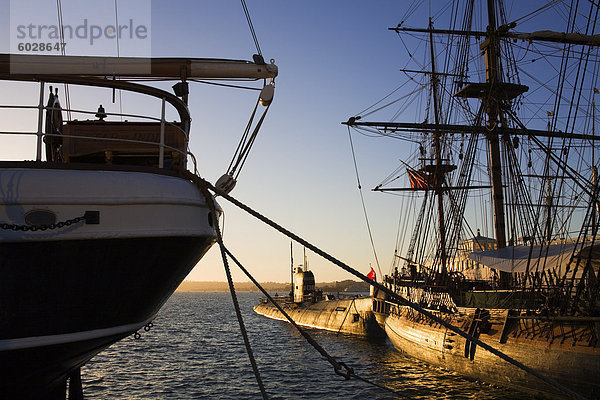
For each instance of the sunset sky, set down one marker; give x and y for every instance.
(335, 58)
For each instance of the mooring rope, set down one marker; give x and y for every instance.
(211, 204)
(337, 365)
(204, 185)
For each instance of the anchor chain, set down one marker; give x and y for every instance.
(148, 326)
(43, 227)
(137, 335)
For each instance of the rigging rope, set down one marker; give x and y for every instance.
(251, 27)
(204, 186)
(361, 113)
(63, 52)
(118, 56)
(246, 142)
(528, 16)
(223, 84)
(363, 203)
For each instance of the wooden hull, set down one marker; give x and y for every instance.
(571, 362)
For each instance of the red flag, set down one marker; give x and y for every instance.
(419, 180)
(371, 275)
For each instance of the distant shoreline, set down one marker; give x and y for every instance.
(283, 288)
(215, 286)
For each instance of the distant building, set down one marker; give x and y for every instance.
(469, 268)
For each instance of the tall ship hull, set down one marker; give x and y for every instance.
(497, 150)
(558, 350)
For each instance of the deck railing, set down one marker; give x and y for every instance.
(160, 145)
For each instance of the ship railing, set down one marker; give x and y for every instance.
(161, 146)
(349, 296)
(277, 297)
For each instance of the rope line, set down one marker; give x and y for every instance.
(251, 141)
(527, 16)
(223, 84)
(251, 27)
(237, 155)
(337, 366)
(213, 211)
(63, 52)
(345, 316)
(394, 296)
(118, 56)
(362, 199)
(246, 142)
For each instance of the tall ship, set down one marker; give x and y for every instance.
(505, 167)
(99, 229)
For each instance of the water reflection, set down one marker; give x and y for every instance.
(195, 351)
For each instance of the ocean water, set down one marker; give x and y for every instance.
(195, 351)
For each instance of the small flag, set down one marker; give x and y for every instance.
(371, 275)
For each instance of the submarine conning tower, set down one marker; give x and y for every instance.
(304, 285)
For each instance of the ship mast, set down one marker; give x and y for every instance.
(495, 118)
(438, 172)
(495, 95)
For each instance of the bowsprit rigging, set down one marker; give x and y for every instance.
(228, 181)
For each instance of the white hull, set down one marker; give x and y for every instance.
(130, 204)
(67, 292)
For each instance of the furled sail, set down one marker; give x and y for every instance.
(516, 258)
(559, 37)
